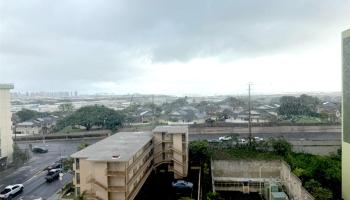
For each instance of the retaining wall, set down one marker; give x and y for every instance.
(261, 170)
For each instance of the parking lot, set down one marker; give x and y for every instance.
(158, 187)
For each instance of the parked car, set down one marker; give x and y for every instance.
(52, 175)
(181, 184)
(54, 166)
(39, 150)
(258, 139)
(214, 140)
(11, 191)
(242, 141)
(225, 138)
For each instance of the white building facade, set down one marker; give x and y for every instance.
(6, 141)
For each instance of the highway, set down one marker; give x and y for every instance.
(32, 173)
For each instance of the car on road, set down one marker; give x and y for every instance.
(242, 141)
(181, 184)
(52, 175)
(55, 165)
(214, 140)
(39, 150)
(258, 139)
(11, 190)
(225, 138)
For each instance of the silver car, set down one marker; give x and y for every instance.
(11, 191)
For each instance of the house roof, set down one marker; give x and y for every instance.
(123, 145)
(26, 123)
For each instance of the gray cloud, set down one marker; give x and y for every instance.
(74, 42)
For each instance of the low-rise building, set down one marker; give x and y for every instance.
(42, 125)
(116, 168)
(28, 128)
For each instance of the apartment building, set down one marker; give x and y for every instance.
(171, 148)
(346, 115)
(117, 167)
(5, 123)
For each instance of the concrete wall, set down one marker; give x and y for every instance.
(274, 129)
(6, 141)
(293, 185)
(246, 169)
(251, 169)
(316, 147)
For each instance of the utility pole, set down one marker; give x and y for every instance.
(249, 117)
(153, 118)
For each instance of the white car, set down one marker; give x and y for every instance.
(258, 139)
(11, 191)
(225, 138)
(242, 141)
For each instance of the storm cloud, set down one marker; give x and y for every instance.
(75, 45)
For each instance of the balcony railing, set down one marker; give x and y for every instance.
(142, 155)
(139, 170)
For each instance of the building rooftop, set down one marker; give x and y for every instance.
(26, 123)
(6, 86)
(118, 147)
(171, 129)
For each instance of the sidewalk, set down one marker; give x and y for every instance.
(55, 196)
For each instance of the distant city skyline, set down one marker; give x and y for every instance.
(173, 48)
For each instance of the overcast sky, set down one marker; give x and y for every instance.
(180, 47)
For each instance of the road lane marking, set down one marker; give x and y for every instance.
(34, 176)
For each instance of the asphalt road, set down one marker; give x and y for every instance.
(33, 176)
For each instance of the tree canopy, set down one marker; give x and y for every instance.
(294, 106)
(26, 114)
(90, 116)
(66, 108)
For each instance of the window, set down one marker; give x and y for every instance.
(77, 163)
(78, 191)
(183, 137)
(78, 178)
